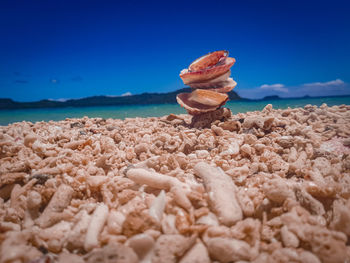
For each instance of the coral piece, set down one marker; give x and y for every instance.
(169, 248)
(97, 222)
(113, 252)
(228, 250)
(222, 193)
(204, 120)
(53, 212)
(197, 254)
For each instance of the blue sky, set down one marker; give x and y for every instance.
(74, 49)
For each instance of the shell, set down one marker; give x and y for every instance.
(208, 60)
(209, 77)
(207, 97)
(222, 87)
(211, 83)
(189, 77)
(225, 86)
(201, 101)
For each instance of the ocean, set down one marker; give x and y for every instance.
(132, 111)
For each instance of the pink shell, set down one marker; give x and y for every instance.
(208, 60)
(195, 108)
(189, 77)
(209, 77)
(213, 83)
(225, 87)
(222, 87)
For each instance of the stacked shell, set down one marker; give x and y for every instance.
(209, 77)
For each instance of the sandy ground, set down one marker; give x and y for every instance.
(269, 186)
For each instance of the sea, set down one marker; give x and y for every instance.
(154, 110)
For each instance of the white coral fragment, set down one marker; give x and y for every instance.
(97, 222)
(143, 245)
(222, 193)
(169, 248)
(228, 250)
(153, 179)
(157, 207)
(197, 254)
(58, 203)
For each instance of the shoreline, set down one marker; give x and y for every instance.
(156, 110)
(257, 186)
(145, 99)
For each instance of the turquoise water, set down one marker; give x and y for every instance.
(121, 112)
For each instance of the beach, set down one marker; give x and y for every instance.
(263, 186)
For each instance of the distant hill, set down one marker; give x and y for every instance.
(140, 99)
(272, 97)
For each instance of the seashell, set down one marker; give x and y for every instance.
(211, 83)
(207, 97)
(192, 108)
(209, 73)
(225, 86)
(209, 76)
(222, 87)
(208, 60)
(201, 101)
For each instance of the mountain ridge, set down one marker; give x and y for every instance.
(138, 99)
(101, 100)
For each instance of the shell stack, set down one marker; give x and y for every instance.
(209, 77)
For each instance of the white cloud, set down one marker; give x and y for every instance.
(336, 82)
(126, 94)
(330, 88)
(123, 95)
(63, 99)
(275, 87)
(60, 99)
